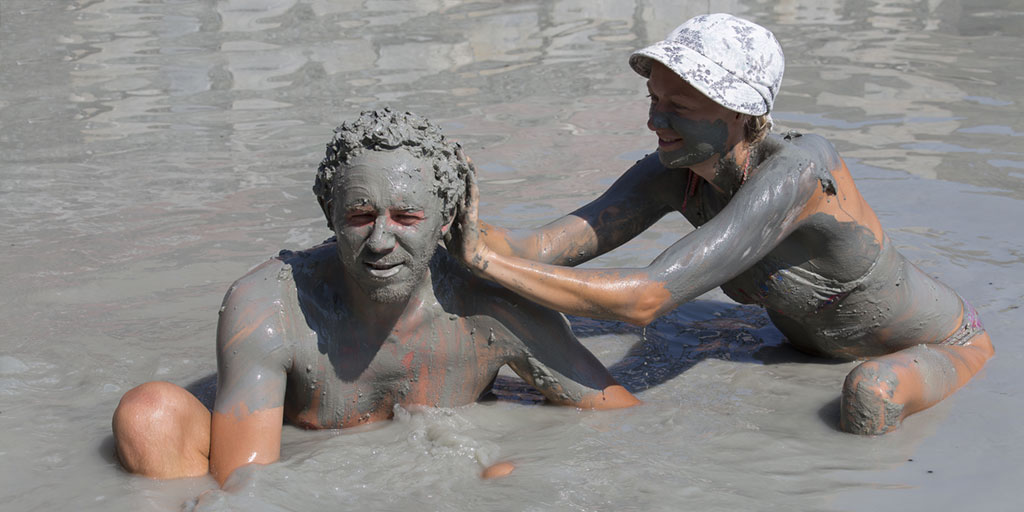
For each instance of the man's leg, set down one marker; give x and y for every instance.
(162, 431)
(879, 393)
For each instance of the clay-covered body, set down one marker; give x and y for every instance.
(834, 286)
(780, 223)
(379, 316)
(329, 371)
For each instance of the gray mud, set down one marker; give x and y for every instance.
(151, 152)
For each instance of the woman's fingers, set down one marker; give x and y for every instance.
(463, 238)
(472, 198)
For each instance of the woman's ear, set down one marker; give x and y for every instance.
(448, 226)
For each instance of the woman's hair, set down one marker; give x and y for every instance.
(386, 130)
(757, 128)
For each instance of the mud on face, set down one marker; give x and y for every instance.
(385, 129)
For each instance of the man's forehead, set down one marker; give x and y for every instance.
(383, 161)
(402, 179)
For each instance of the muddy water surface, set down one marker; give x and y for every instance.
(153, 151)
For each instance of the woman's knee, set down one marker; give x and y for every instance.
(869, 404)
(983, 344)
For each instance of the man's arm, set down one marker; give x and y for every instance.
(251, 375)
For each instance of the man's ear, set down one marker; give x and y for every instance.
(326, 207)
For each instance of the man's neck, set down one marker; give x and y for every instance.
(382, 318)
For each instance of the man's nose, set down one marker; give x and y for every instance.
(381, 238)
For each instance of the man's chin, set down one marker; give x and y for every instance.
(389, 294)
(385, 296)
(393, 289)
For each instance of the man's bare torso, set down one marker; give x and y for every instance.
(444, 351)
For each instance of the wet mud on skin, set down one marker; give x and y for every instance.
(153, 152)
(702, 139)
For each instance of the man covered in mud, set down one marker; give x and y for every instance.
(377, 317)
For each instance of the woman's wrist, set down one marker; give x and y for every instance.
(480, 260)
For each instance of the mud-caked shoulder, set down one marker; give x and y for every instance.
(251, 321)
(313, 256)
(267, 284)
(806, 153)
(462, 293)
(263, 272)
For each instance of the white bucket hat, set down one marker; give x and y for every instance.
(736, 63)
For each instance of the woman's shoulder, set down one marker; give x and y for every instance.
(807, 153)
(795, 144)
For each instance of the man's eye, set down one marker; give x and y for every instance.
(359, 219)
(408, 219)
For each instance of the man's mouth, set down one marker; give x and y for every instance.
(383, 270)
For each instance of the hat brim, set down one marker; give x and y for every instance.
(705, 75)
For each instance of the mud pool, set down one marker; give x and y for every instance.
(153, 151)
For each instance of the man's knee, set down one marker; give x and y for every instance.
(151, 418)
(147, 406)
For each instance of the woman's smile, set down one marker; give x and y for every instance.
(668, 141)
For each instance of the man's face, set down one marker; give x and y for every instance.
(388, 221)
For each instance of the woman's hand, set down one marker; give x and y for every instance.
(463, 239)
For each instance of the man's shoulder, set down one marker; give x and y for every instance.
(459, 292)
(283, 267)
(274, 285)
(258, 305)
(456, 288)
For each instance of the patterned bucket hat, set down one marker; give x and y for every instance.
(736, 63)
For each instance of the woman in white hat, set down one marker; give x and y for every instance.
(781, 224)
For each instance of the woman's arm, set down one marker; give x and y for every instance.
(764, 211)
(631, 205)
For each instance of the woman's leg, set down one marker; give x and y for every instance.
(879, 393)
(162, 431)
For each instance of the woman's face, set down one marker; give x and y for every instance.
(691, 128)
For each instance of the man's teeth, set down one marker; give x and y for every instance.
(385, 272)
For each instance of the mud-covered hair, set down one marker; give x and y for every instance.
(757, 128)
(387, 130)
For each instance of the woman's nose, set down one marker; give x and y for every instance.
(657, 120)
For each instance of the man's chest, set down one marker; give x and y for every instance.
(346, 382)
